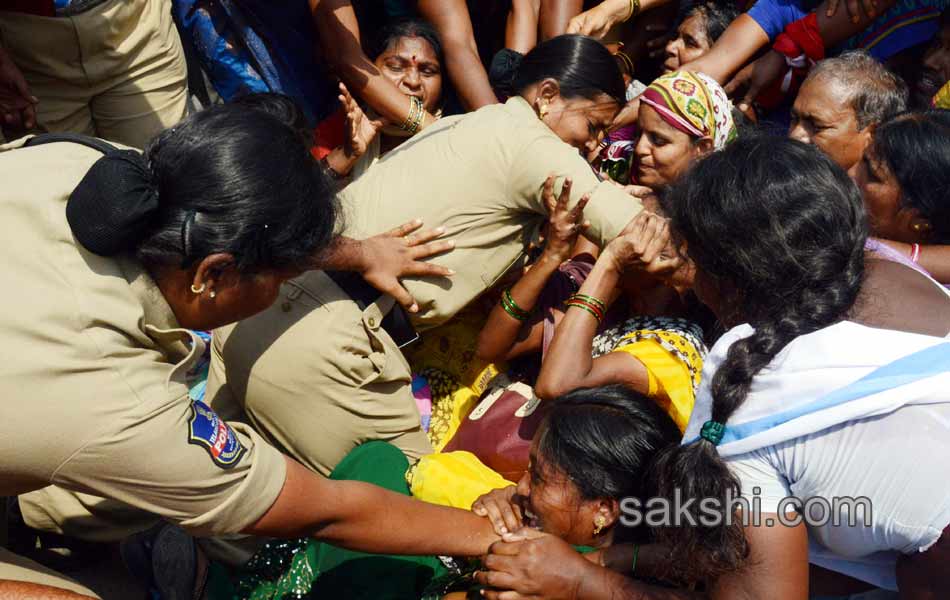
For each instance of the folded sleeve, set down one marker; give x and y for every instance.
(183, 463)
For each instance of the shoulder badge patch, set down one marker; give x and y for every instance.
(207, 429)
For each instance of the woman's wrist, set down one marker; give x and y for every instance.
(339, 162)
(618, 11)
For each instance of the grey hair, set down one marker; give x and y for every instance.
(876, 94)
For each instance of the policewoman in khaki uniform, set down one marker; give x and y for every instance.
(321, 371)
(114, 257)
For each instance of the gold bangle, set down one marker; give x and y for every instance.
(634, 10)
(417, 113)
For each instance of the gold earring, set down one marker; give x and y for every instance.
(543, 111)
(599, 522)
(198, 290)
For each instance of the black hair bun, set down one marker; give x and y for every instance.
(111, 209)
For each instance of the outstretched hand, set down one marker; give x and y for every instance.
(564, 224)
(360, 129)
(401, 252)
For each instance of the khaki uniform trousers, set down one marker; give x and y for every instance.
(116, 71)
(17, 568)
(317, 376)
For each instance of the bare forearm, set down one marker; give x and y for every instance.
(469, 76)
(451, 19)
(368, 518)
(842, 25)
(738, 43)
(521, 31)
(501, 330)
(568, 361)
(339, 35)
(22, 590)
(341, 162)
(556, 14)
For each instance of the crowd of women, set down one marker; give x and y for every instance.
(444, 300)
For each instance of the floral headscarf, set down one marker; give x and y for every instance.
(693, 103)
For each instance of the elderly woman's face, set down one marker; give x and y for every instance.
(411, 64)
(553, 503)
(663, 152)
(881, 194)
(690, 43)
(822, 115)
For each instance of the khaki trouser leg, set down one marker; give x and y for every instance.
(116, 71)
(17, 568)
(317, 376)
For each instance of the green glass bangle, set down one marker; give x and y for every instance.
(512, 313)
(512, 307)
(591, 299)
(636, 553)
(587, 308)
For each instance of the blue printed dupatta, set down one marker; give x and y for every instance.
(247, 46)
(837, 374)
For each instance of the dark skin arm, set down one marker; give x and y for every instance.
(737, 44)
(556, 14)
(339, 35)
(21, 590)
(364, 517)
(568, 364)
(382, 259)
(504, 336)
(451, 19)
(521, 29)
(833, 29)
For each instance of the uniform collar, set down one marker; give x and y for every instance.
(519, 105)
(157, 311)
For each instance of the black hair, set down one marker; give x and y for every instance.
(716, 14)
(604, 439)
(582, 67)
(780, 229)
(391, 32)
(238, 178)
(916, 148)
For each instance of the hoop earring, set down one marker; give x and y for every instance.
(599, 522)
(198, 290)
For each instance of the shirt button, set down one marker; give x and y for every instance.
(371, 322)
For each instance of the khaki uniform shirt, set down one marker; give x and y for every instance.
(92, 371)
(479, 175)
